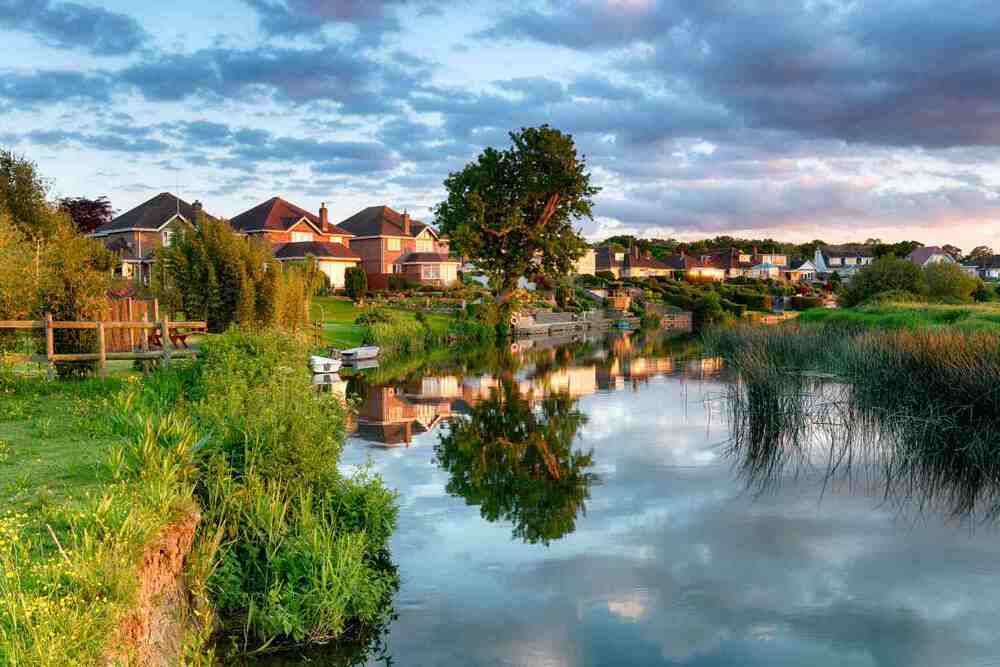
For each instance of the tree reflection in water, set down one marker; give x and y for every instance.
(517, 463)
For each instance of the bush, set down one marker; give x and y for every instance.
(806, 302)
(708, 310)
(752, 300)
(891, 296)
(607, 276)
(949, 281)
(884, 274)
(355, 282)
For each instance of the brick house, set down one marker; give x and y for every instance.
(391, 243)
(738, 263)
(296, 234)
(136, 234)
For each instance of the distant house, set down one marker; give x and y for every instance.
(587, 264)
(765, 271)
(609, 258)
(843, 260)
(136, 234)
(391, 243)
(297, 234)
(989, 267)
(804, 272)
(927, 255)
(682, 264)
(641, 264)
(737, 263)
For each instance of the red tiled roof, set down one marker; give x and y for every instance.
(318, 249)
(278, 215)
(380, 221)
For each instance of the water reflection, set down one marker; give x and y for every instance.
(932, 460)
(516, 462)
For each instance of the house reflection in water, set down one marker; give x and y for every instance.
(393, 415)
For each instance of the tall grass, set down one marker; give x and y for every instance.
(288, 550)
(922, 405)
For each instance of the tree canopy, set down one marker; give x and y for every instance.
(948, 281)
(87, 214)
(511, 212)
(888, 273)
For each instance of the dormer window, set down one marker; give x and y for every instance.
(299, 237)
(167, 237)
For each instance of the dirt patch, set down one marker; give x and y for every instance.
(152, 634)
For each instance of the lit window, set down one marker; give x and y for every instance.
(298, 237)
(425, 245)
(431, 271)
(393, 244)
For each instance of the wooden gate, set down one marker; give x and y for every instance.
(128, 310)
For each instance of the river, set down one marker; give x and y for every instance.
(580, 503)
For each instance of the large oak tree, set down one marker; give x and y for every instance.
(511, 212)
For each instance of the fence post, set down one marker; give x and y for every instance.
(50, 345)
(165, 340)
(102, 351)
(131, 332)
(144, 334)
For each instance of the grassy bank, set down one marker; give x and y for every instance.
(966, 318)
(288, 550)
(338, 319)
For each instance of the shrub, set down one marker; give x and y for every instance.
(806, 302)
(891, 296)
(606, 276)
(949, 281)
(752, 300)
(884, 274)
(708, 310)
(355, 282)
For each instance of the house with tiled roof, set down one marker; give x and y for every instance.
(391, 243)
(136, 234)
(737, 263)
(925, 255)
(296, 234)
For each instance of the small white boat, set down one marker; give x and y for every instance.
(356, 353)
(324, 364)
(361, 364)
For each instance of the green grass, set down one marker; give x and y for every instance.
(967, 318)
(337, 318)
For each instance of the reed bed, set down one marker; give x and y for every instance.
(921, 407)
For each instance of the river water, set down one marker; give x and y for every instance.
(579, 504)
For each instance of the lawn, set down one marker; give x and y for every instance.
(49, 456)
(970, 317)
(337, 317)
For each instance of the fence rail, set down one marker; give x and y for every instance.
(169, 337)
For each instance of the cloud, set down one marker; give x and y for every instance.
(295, 17)
(53, 87)
(68, 25)
(914, 73)
(100, 141)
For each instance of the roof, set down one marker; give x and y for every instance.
(427, 258)
(848, 250)
(921, 255)
(318, 249)
(381, 221)
(990, 262)
(765, 266)
(150, 215)
(278, 215)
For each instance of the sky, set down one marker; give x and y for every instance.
(795, 119)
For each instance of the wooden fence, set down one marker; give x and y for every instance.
(126, 339)
(169, 336)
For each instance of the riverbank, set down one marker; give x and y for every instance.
(288, 551)
(967, 317)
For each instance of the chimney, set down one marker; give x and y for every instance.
(406, 223)
(324, 218)
(197, 211)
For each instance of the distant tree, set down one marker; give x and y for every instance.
(23, 197)
(356, 283)
(87, 214)
(888, 273)
(952, 251)
(948, 281)
(900, 249)
(979, 253)
(983, 292)
(511, 212)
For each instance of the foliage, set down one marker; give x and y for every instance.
(979, 253)
(211, 273)
(884, 274)
(511, 212)
(23, 194)
(806, 302)
(949, 281)
(708, 310)
(518, 464)
(87, 214)
(355, 282)
(606, 276)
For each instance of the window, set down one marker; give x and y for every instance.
(745, 259)
(298, 237)
(834, 261)
(392, 244)
(168, 237)
(425, 245)
(431, 271)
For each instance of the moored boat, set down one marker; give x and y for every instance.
(357, 353)
(324, 364)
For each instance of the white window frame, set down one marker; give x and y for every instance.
(393, 244)
(167, 237)
(301, 237)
